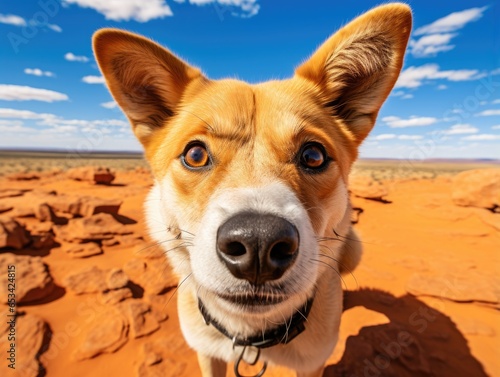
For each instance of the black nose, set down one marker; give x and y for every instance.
(257, 247)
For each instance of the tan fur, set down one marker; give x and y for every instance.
(253, 133)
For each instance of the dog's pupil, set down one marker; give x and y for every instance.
(313, 157)
(197, 155)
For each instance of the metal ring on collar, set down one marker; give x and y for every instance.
(240, 359)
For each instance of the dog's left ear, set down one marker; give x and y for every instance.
(146, 79)
(356, 68)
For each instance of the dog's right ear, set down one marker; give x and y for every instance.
(146, 80)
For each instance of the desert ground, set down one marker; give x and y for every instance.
(95, 297)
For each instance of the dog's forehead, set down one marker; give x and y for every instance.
(281, 108)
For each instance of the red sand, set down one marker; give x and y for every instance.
(421, 236)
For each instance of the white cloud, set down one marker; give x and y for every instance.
(109, 105)
(59, 123)
(437, 36)
(452, 22)
(430, 45)
(442, 87)
(12, 19)
(402, 94)
(37, 72)
(410, 137)
(242, 8)
(93, 79)
(496, 101)
(413, 121)
(53, 122)
(75, 58)
(496, 127)
(59, 129)
(14, 128)
(495, 72)
(125, 10)
(486, 113)
(55, 27)
(24, 114)
(27, 93)
(482, 137)
(414, 77)
(10, 123)
(394, 136)
(397, 93)
(384, 137)
(460, 129)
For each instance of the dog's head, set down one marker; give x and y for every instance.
(250, 177)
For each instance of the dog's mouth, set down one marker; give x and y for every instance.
(253, 299)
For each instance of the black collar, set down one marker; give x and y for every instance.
(280, 335)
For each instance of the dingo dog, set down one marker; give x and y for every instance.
(250, 199)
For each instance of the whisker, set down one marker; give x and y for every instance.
(341, 264)
(177, 289)
(329, 265)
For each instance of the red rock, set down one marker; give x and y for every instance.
(116, 279)
(5, 207)
(44, 212)
(30, 333)
(97, 227)
(156, 277)
(89, 280)
(43, 241)
(366, 187)
(42, 235)
(356, 212)
(91, 206)
(34, 281)
(10, 193)
(111, 242)
(64, 203)
(99, 175)
(461, 287)
(23, 176)
(12, 234)
(141, 318)
(40, 228)
(83, 250)
(135, 267)
(130, 240)
(84, 206)
(115, 296)
(488, 217)
(106, 334)
(159, 359)
(477, 188)
(23, 211)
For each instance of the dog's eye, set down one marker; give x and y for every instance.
(313, 156)
(195, 156)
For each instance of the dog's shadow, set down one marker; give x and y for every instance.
(419, 341)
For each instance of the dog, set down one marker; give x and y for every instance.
(250, 200)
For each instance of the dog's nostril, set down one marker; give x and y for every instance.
(282, 251)
(235, 249)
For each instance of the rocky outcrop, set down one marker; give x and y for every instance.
(12, 234)
(98, 175)
(368, 188)
(477, 188)
(32, 278)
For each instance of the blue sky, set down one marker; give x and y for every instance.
(446, 103)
